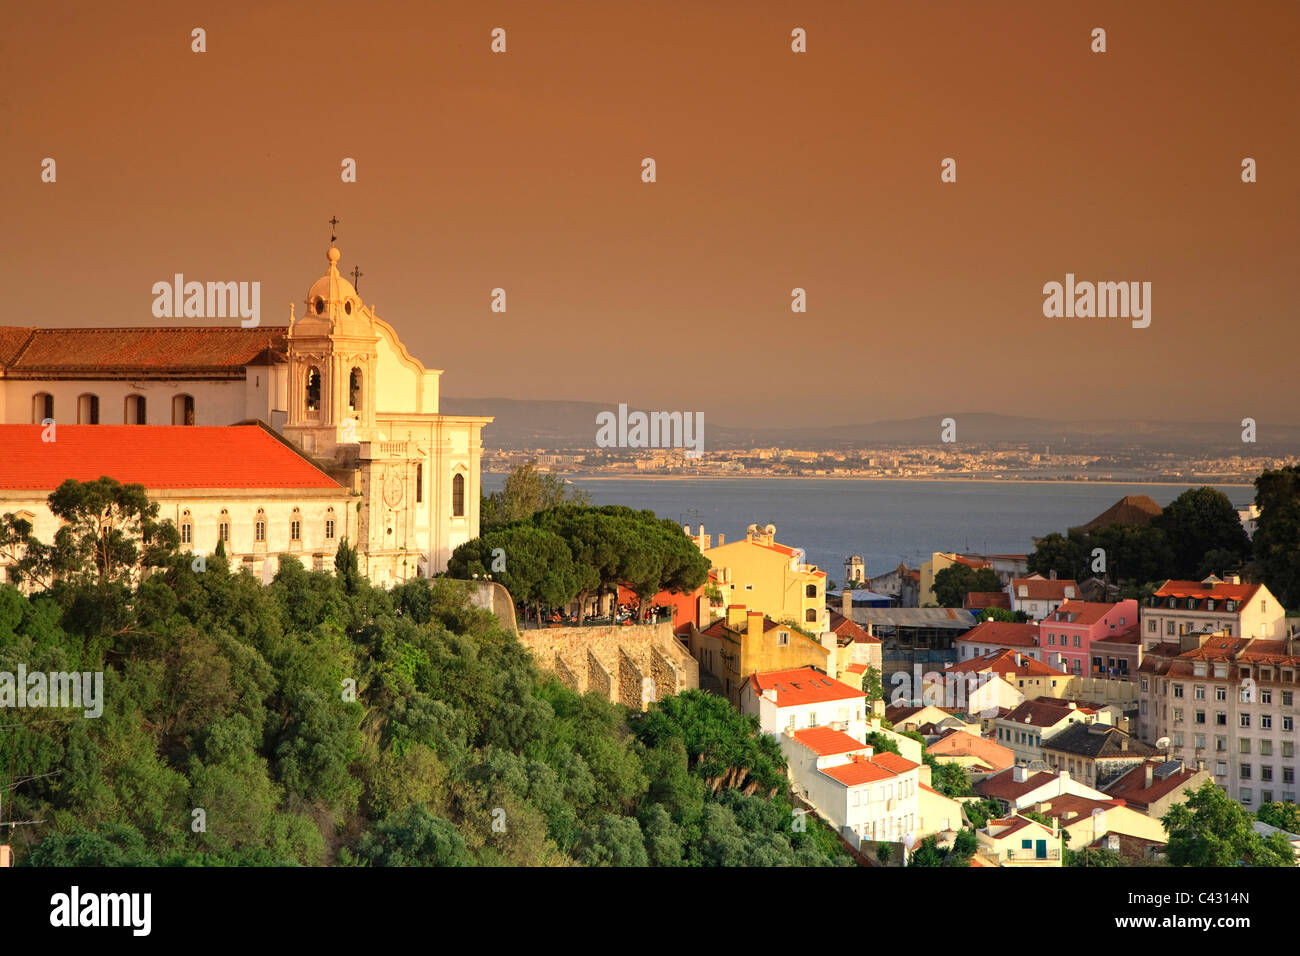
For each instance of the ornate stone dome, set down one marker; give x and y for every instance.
(333, 296)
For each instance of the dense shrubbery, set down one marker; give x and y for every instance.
(230, 696)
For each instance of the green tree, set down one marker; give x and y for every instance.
(1277, 533)
(872, 686)
(527, 491)
(1197, 522)
(1056, 552)
(1284, 816)
(953, 583)
(1211, 829)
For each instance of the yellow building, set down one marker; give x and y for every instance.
(746, 642)
(770, 578)
(1019, 841)
(938, 561)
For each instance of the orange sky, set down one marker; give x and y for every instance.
(775, 170)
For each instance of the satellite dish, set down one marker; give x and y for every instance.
(1162, 743)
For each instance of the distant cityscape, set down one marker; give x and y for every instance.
(993, 461)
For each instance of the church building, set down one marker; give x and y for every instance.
(369, 456)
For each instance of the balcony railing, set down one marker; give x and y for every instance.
(1029, 856)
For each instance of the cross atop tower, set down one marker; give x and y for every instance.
(334, 221)
(356, 277)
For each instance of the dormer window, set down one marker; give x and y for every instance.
(320, 306)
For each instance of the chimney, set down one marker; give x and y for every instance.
(1123, 746)
(722, 539)
(1051, 575)
(1150, 776)
(846, 602)
(1019, 774)
(736, 616)
(1200, 765)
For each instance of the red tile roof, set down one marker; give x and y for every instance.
(803, 685)
(1080, 613)
(1003, 633)
(826, 742)
(1005, 787)
(220, 351)
(881, 766)
(1039, 713)
(979, 600)
(1043, 589)
(960, 743)
(156, 456)
(844, 627)
(1004, 662)
(1195, 589)
(1133, 790)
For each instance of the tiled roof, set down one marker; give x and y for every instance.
(844, 627)
(1004, 633)
(1132, 788)
(803, 685)
(958, 743)
(1004, 785)
(1078, 612)
(1069, 809)
(1137, 510)
(825, 742)
(1038, 713)
(1095, 741)
(1043, 589)
(978, 600)
(211, 351)
(156, 456)
(881, 766)
(1004, 662)
(1196, 589)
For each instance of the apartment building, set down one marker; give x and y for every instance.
(1228, 703)
(1212, 606)
(1067, 634)
(1038, 596)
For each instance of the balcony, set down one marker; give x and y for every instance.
(1032, 856)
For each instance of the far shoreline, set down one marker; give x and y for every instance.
(952, 479)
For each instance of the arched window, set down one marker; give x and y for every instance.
(295, 526)
(458, 496)
(135, 410)
(354, 390)
(329, 524)
(810, 615)
(42, 407)
(223, 526)
(259, 527)
(183, 410)
(313, 389)
(187, 528)
(811, 590)
(419, 482)
(88, 409)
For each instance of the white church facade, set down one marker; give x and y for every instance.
(336, 384)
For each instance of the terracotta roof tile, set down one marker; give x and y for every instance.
(210, 351)
(803, 685)
(156, 456)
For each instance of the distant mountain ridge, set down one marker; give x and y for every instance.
(567, 425)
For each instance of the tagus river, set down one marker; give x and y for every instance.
(884, 521)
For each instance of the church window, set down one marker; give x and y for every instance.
(223, 526)
(135, 410)
(88, 410)
(183, 410)
(354, 390)
(187, 528)
(42, 407)
(419, 482)
(347, 307)
(313, 389)
(295, 526)
(320, 306)
(329, 524)
(458, 496)
(259, 527)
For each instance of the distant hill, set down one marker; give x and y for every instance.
(560, 425)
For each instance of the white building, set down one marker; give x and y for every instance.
(801, 698)
(337, 382)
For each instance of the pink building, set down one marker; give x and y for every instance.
(1065, 636)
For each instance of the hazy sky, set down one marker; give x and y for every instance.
(775, 170)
